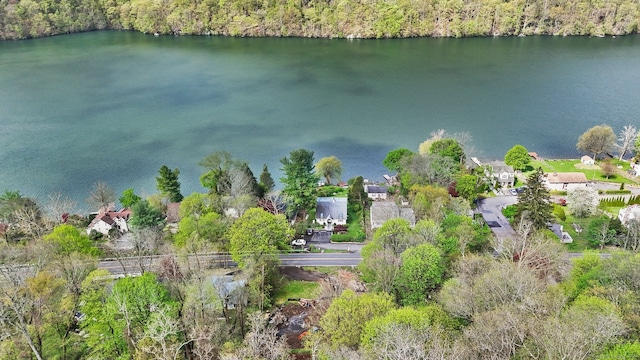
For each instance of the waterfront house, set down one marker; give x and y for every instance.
(331, 211)
(105, 221)
(503, 174)
(587, 160)
(381, 211)
(376, 192)
(563, 181)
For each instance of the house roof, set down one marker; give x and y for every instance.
(173, 212)
(375, 189)
(331, 206)
(109, 216)
(382, 211)
(500, 166)
(567, 178)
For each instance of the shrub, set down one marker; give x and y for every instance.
(558, 211)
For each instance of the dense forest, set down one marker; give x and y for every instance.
(321, 18)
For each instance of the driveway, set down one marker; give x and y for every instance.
(322, 240)
(491, 210)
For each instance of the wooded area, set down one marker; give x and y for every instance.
(321, 18)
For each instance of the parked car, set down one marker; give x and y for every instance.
(299, 242)
(513, 192)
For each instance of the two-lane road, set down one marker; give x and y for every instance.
(134, 264)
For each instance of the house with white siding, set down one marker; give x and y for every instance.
(563, 181)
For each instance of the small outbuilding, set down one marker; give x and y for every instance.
(587, 160)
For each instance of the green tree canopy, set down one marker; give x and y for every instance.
(467, 187)
(201, 227)
(421, 271)
(67, 239)
(119, 316)
(168, 184)
(393, 159)
(129, 198)
(330, 168)
(518, 157)
(417, 318)
(145, 216)
(347, 315)
(266, 181)
(394, 235)
(597, 140)
(448, 148)
(300, 180)
(258, 233)
(534, 203)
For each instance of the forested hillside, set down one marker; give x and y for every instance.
(322, 18)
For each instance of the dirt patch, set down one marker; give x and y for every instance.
(587, 167)
(297, 273)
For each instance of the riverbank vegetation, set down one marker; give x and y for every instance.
(328, 19)
(437, 286)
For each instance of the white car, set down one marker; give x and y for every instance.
(299, 242)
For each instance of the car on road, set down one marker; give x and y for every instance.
(513, 192)
(299, 242)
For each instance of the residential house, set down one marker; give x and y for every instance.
(503, 174)
(630, 213)
(226, 288)
(381, 211)
(563, 181)
(587, 160)
(108, 220)
(376, 192)
(331, 211)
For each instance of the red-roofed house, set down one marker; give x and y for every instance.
(105, 221)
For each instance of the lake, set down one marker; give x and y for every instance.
(115, 106)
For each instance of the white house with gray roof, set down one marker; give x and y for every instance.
(331, 211)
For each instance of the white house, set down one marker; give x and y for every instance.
(630, 213)
(105, 221)
(376, 192)
(587, 160)
(503, 174)
(566, 181)
(331, 211)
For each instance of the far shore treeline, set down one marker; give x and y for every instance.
(21, 19)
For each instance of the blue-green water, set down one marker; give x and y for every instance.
(115, 106)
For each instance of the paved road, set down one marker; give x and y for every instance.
(134, 265)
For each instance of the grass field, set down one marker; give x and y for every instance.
(592, 172)
(295, 289)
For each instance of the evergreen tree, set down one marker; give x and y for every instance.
(266, 181)
(168, 184)
(534, 203)
(300, 179)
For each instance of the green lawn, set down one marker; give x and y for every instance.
(593, 172)
(295, 289)
(580, 242)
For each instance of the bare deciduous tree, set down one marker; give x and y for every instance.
(626, 140)
(261, 342)
(101, 196)
(58, 207)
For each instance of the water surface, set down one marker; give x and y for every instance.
(115, 106)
